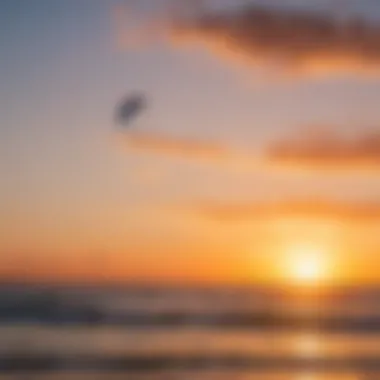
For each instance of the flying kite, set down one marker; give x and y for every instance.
(129, 108)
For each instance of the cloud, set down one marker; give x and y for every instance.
(165, 144)
(297, 41)
(311, 208)
(328, 151)
(318, 151)
(212, 152)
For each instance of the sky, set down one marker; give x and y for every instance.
(262, 135)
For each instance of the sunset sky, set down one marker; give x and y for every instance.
(261, 142)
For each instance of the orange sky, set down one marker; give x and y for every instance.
(228, 172)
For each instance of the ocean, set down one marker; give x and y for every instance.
(157, 333)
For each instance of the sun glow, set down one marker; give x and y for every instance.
(306, 264)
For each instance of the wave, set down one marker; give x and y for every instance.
(262, 322)
(54, 308)
(37, 363)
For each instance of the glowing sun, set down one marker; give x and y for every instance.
(306, 264)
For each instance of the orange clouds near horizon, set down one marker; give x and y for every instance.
(328, 151)
(291, 208)
(158, 265)
(314, 152)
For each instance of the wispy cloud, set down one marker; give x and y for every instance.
(309, 208)
(291, 40)
(165, 144)
(306, 151)
(328, 150)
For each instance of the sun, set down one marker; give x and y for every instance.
(306, 264)
(307, 268)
